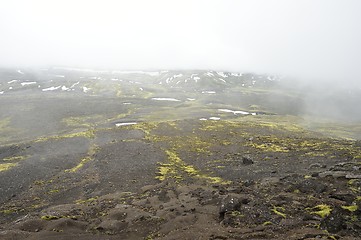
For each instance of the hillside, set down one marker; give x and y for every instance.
(88, 154)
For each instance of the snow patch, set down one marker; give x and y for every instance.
(19, 71)
(166, 99)
(222, 80)
(50, 89)
(222, 74)
(209, 92)
(235, 112)
(236, 74)
(191, 99)
(2, 92)
(85, 89)
(178, 75)
(203, 119)
(125, 124)
(214, 118)
(64, 88)
(27, 83)
(74, 84)
(12, 81)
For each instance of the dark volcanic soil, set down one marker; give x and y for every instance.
(67, 171)
(191, 179)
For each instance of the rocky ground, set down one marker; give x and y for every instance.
(192, 180)
(174, 155)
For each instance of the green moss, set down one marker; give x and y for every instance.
(4, 123)
(39, 182)
(54, 191)
(6, 130)
(15, 158)
(86, 134)
(279, 211)
(146, 127)
(7, 166)
(82, 121)
(267, 223)
(236, 214)
(270, 147)
(91, 152)
(351, 208)
(176, 168)
(321, 210)
(301, 141)
(86, 200)
(8, 211)
(49, 217)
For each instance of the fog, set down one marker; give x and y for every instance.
(314, 40)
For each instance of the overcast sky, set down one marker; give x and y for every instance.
(318, 38)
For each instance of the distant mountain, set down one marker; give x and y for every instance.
(83, 80)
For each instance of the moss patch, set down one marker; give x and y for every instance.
(321, 210)
(15, 158)
(85, 134)
(7, 166)
(351, 208)
(279, 211)
(176, 168)
(91, 152)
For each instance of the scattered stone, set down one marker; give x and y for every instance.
(334, 222)
(228, 204)
(247, 160)
(317, 165)
(311, 185)
(343, 195)
(352, 176)
(335, 174)
(112, 226)
(270, 181)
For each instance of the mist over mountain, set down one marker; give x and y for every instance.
(180, 119)
(313, 41)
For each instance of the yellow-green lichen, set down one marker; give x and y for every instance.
(322, 210)
(279, 211)
(269, 147)
(351, 208)
(49, 217)
(15, 158)
(91, 152)
(82, 121)
(54, 191)
(8, 211)
(267, 223)
(86, 134)
(176, 168)
(4, 123)
(7, 166)
(80, 201)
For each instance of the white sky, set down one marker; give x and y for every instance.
(310, 38)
